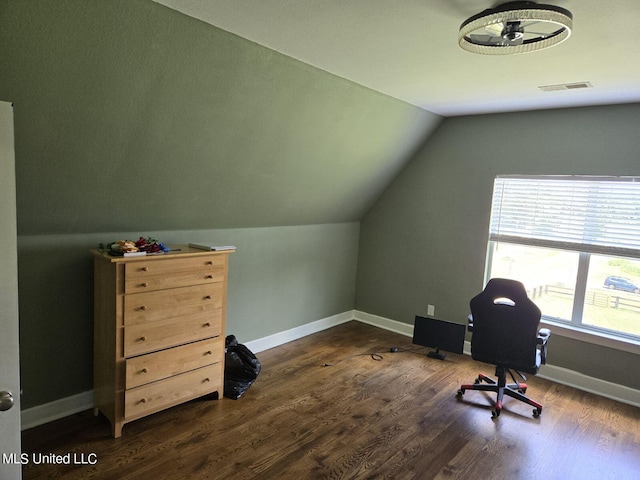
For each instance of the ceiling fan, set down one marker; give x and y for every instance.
(515, 27)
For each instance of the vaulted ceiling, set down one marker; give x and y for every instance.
(130, 116)
(408, 49)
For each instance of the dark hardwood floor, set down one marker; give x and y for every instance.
(396, 417)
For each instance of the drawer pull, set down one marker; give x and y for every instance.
(143, 400)
(208, 352)
(209, 276)
(143, 339)
(208, 297)
(145, 269)
(145, 284)
(209, 262)
(208, 324)
(144, 370)
(143, 307)
(206, 380)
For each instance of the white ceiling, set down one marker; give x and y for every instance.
(408, 49)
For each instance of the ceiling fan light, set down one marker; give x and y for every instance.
(558, 19)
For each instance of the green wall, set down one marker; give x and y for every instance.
(279, 278)
(133, 119)
(131, 116)
(424, 241)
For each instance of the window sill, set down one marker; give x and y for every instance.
(589, 336)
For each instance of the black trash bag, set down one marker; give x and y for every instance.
(241, 368)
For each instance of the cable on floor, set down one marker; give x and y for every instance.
(377, 356)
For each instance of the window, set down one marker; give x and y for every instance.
(574, 242)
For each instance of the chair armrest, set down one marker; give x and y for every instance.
(470, 323)
(543, 337)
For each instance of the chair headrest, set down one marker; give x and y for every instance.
(504, 292)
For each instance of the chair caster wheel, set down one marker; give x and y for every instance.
(477, 381)
(495, 413)
(537, 412)
(460, 392)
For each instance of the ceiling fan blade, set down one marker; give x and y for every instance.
(546, 29)
(537, 34)
(480, 39)
(529, 23)
(495, 29)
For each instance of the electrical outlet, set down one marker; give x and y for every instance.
(431, 310)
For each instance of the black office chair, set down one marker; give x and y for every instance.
(504, 325)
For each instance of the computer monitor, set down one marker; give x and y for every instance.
(438, 334)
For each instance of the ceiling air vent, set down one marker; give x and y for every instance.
(565, 86)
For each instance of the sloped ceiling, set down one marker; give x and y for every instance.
(130, 116)
(408, 49)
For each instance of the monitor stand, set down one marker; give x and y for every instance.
(436, 354)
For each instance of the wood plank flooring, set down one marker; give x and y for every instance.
(393, 417)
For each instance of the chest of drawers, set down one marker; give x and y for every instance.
(159, 331)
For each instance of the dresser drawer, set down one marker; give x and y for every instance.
(167, 363)
(164, 393)
(149, 337)
(149, 275)
(175, 303)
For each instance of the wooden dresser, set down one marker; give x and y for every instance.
(159, 331)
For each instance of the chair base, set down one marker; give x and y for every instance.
(502, 388)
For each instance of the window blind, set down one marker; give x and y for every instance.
(588, 214)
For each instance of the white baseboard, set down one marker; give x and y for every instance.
(41, 414)
(281, 338)
(48, 412)
(386, 323)
(571, 378)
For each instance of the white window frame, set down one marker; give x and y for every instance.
(620, 238)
